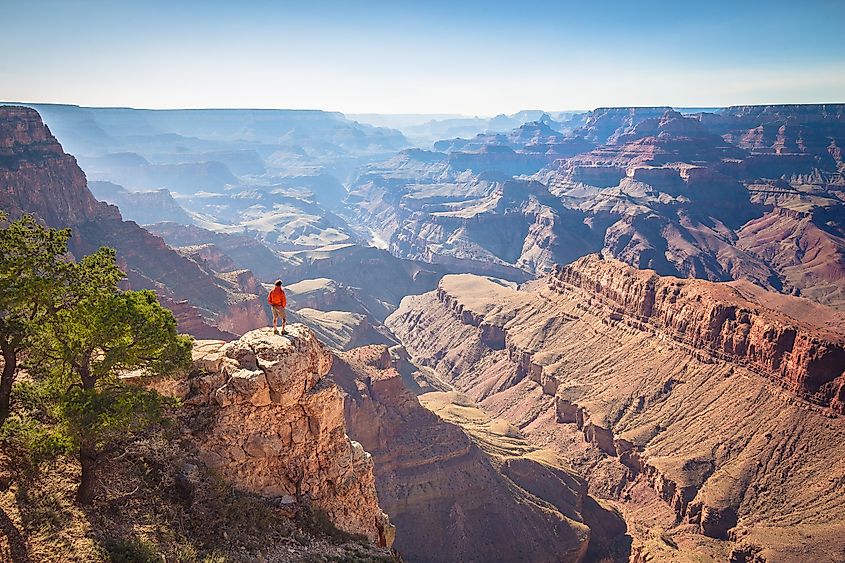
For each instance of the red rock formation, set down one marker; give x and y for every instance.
(451, 499)
(719, 400)
(805, 250)
(275, 426)
(38, 177)
(715, 318)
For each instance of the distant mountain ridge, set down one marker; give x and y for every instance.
(747, 192)
(98, 125)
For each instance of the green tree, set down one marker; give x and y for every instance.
(32, 267)
(87, 347)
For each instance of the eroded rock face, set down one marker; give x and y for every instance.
(805, 247)
(456, 499)
(707, 196)
(38, 177)
(718, 402)
(808, 360)
(276, 426)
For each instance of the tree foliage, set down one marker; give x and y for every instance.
(32, 265)
(91, 346)
(82, 337)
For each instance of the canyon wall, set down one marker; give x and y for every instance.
(716, 319)
(454, 496)
(706, 196)
(717, 402)
(39, 178)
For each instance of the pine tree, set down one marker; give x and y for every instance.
(32, 266)
(87, 347)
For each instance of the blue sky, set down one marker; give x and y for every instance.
(476, 58)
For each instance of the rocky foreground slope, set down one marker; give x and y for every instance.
(39, 178)
(711, 413)
(263, 415)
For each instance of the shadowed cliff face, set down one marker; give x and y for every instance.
(38, 177)
(456, 496)
(720, 403)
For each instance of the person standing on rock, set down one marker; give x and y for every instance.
(278, 301)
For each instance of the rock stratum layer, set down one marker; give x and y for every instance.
(267, 419)
(708, 411)
(803, 357)
(753, 193)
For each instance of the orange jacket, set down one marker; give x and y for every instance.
(277, 297)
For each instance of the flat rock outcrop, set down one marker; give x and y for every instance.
(270, 423)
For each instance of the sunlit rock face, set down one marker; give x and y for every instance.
(454, 494)
(704, 195)
(275, 426)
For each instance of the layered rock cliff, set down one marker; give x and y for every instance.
(704, 196)
(263, 415)
(455, 495)
(38, 177)
(706, 410)
(807, 359)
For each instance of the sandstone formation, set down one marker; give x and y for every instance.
(786, 159)
(429, 209)
(264, 417)
(708, 411)
(271, 174)
(454, 496)
(800, 355)
(38, 177)
(525, 150)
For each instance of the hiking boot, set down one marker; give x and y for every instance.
(276, 331)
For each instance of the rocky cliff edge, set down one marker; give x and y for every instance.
(263, 416)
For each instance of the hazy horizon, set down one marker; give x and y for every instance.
(395, 58)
